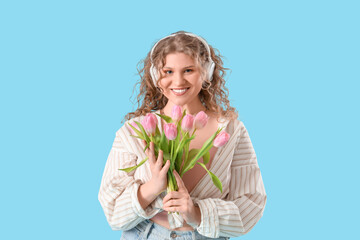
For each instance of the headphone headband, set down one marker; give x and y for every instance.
(210, 67)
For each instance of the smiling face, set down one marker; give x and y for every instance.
(182, 81)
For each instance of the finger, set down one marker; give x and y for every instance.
(150, 153)
(166, 167)
(159, 160)
(179, 181)
(146, 150)
(173, 203)
(172, 209)
(172, 195)
(143, 142)
(152, 147)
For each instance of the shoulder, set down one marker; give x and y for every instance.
(232, 126)
(124, 129)
(123, 137)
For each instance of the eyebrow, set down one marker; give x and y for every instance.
(183, 68)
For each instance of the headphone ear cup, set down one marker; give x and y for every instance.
(154, 75)
(211, 70)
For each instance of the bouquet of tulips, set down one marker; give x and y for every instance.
(174, 141)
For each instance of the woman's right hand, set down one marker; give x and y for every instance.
(158, 181)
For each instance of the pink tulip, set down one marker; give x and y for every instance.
(170, 131)
(221, 139)
(153, 117)
(176, 113)
(149, 122)
(135, 126)
(201, 120)
(187, 122)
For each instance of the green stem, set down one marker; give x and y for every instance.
(193, 132)
(186, 153)
(171, 151)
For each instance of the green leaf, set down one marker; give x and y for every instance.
(216, 181)
(189, 139)
(184, 141)
(206, 157)
(166, 156)
(178, 127)
(184, 113)
(172, 184)
(178, 160)
(205, 148)
(214, 178)
(137, 131)
(129, 169)
(146, 137)
(193, 152)
(166, 118)
(136, 137)
(157, 131)
(191, 155)
(164, 143)
(147, 146)
(157, 139)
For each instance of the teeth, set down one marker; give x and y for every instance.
(179, 90)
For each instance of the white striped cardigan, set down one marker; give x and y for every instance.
(232, 213)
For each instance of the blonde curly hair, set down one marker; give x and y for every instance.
(213, 95)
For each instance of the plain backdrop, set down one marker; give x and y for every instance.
(68, 68)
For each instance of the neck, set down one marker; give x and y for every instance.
(192, 108)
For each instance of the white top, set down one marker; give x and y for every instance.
(232, 213)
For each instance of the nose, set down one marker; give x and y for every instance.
(178, 78)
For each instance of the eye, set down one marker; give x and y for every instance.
(166, 71)
(189, 70)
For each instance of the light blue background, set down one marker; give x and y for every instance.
(67, 71)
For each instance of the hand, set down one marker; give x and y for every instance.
(158, 179)
(180, 201)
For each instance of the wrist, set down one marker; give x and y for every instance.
(153, 188)
(197, 215)
(196, 218)
(145, 194)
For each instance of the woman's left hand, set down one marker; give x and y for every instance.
(180, 201)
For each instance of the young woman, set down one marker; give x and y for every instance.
(182, 69)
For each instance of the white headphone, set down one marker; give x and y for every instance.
(209, 67)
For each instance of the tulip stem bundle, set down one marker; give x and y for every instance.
(175, 142)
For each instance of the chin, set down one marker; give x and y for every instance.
(179, 102)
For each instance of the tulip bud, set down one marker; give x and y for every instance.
(153, 117)
(187, 122)
(176, 113)
(170, 131)
(149, 122)
(221, 139)
(200, 120)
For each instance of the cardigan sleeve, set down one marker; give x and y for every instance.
(118, 189)
(244, 205)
